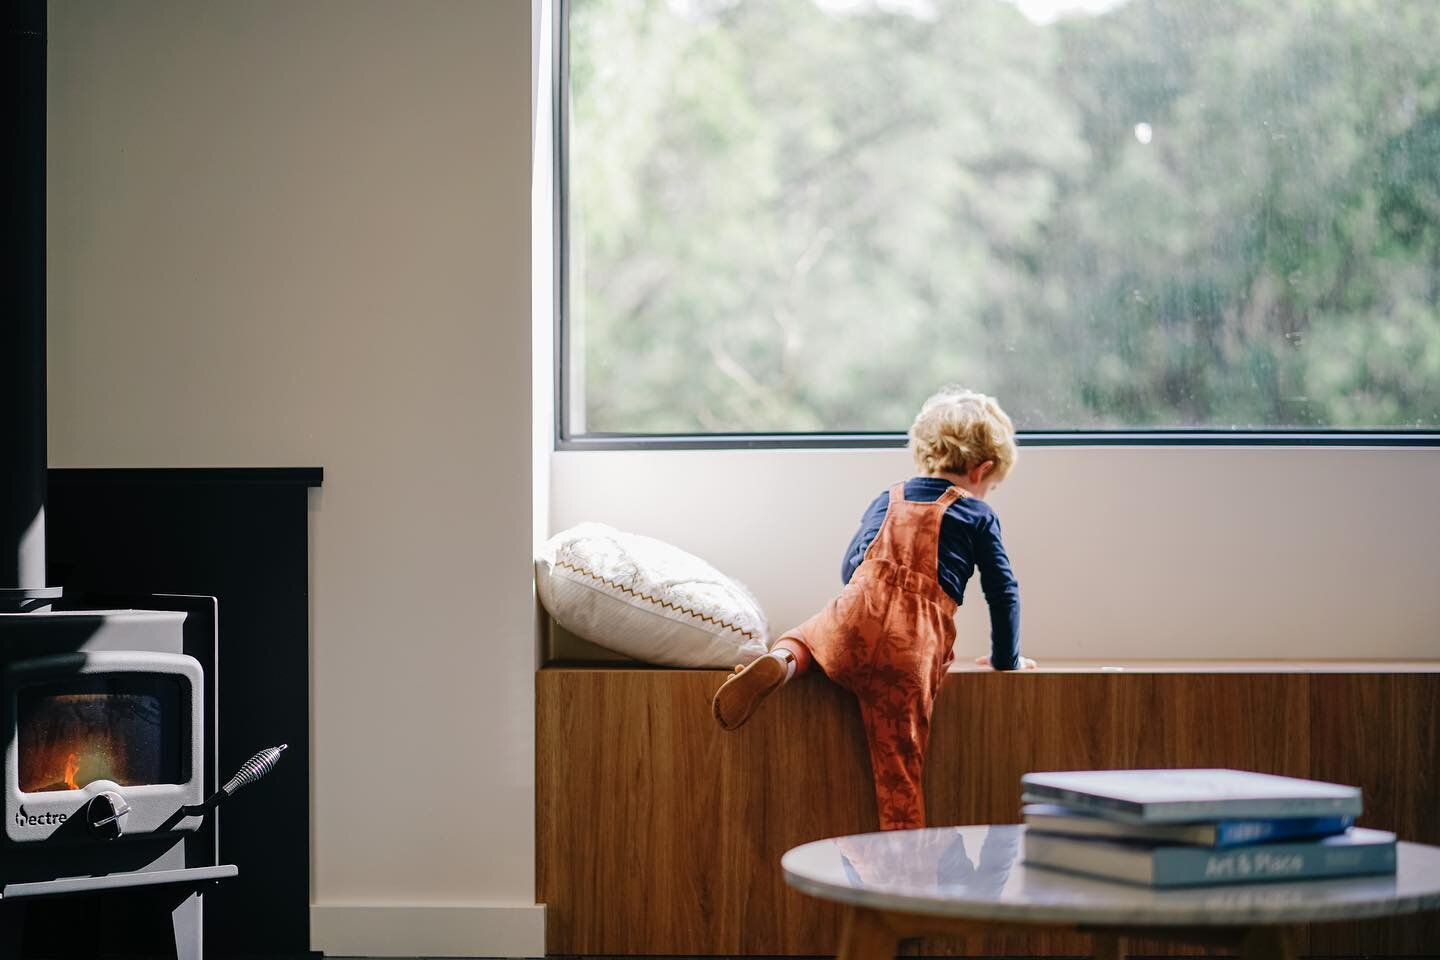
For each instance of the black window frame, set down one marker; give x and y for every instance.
(565, 440)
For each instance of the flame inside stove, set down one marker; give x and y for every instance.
(72, 767)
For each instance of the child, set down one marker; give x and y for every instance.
(888, 636)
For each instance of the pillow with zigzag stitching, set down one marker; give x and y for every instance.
(647, 599)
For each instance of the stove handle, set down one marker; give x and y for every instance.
(105, 811)
(250, 771)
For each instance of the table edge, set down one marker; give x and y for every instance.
(1117, 915)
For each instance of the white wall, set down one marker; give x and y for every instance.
(542, 257)
(1120, 552)
(298, 234)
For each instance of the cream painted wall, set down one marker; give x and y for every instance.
(1120, 552)
(542, 260)
(298, 234)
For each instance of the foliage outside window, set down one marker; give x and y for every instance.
(805, 215)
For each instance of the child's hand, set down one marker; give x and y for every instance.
(1025, 663)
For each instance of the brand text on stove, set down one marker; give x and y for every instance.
(23, 819)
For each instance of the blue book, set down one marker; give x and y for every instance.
(1189, 796)
(1048, 818)
(1356, 852)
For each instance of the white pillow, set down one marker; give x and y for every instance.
(648, 599)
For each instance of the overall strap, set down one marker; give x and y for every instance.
(909, 538)
(950, 496)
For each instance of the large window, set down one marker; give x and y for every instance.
(805, 215)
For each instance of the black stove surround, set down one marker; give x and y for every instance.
(108, 711)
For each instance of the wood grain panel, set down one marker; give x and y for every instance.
(658, 834)
(1098, 721)
(984, 736)
(1382, 733)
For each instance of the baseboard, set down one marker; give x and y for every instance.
(407, 930)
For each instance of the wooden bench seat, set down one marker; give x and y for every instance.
(658, 834)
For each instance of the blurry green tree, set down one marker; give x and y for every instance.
(805, 215)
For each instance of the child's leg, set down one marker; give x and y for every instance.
(895, 731)
(800, 656)
(803, 657)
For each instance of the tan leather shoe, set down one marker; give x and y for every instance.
(743, 692)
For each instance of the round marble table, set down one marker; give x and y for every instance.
(971, 880)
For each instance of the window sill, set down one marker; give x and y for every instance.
(1033, 438)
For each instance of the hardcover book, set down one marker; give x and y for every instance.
(1189, 796)
(1356, 852)
(1048, 818)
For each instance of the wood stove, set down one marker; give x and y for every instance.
(110, 753)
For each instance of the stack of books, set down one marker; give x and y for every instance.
(1174, 828)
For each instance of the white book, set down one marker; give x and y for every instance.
(1189, 796)
(1355, 852)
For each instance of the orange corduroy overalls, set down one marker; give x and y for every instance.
(888, 638)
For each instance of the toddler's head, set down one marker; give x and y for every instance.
(963, 433)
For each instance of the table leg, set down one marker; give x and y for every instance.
(866, 936)
(1107, 946)
(1267, 943)
(187, 922)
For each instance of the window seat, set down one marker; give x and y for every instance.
(656, 833)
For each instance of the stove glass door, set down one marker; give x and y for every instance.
(128, 728)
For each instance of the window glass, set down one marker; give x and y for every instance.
(806, 215)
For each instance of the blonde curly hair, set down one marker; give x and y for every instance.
(958, 429)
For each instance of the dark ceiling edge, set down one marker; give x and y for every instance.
(190, 476)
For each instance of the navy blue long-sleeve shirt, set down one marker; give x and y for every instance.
(969, 538)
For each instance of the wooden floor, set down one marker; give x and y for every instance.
(659, 835)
